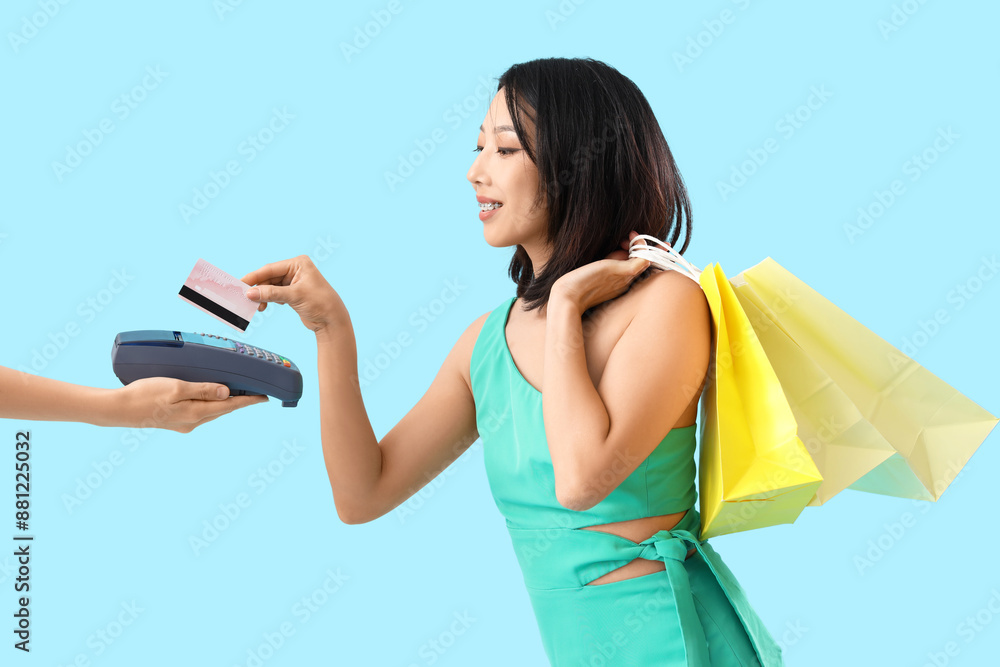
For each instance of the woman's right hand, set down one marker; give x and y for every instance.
(298, 283)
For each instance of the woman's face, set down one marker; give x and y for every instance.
(503, 176)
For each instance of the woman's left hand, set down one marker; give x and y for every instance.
(600, 281)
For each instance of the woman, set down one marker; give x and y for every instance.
(598, 501)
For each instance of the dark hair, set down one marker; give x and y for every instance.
(603, 163)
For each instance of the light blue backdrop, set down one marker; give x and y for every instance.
(157, 101)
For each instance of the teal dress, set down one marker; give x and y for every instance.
(693, 613)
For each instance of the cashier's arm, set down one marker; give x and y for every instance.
(148, 403)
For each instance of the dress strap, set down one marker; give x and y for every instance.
(487, 354)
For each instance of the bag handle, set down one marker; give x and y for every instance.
(666, 258)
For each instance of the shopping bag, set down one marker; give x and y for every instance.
(909, 434)
(841, 442)
(754, 470)
(871, 418)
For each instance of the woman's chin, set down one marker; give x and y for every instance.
(495, 241)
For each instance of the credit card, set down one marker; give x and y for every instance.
(212, 290)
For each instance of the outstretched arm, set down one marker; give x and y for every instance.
(148, 403)
(369, 477)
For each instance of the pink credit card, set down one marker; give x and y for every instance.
(212, 290)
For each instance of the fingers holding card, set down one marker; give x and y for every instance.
(213, 291)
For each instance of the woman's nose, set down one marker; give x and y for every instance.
(477, 174)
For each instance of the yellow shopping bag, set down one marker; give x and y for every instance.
(891, 426)
(842, 443)
(754, 469)
(870, 417)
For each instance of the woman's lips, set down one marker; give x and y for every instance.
(487, 209)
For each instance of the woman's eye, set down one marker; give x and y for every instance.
(502, 151)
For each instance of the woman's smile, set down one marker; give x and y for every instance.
(487, 207)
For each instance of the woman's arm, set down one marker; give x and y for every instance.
(150, 402)
(598, 436)
(368, 477)
(350, 448)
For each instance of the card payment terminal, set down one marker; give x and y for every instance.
(199, 357)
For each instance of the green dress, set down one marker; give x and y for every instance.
(693, 613)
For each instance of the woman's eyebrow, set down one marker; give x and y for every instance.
(499, 128)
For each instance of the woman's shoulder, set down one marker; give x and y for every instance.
(660, 288)
(661, 282)
(670, 297)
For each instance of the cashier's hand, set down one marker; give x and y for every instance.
(175, 405)
(298, 283)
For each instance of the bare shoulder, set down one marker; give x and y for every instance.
(462, 352)
(671, 290)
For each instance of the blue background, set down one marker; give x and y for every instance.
(319, 187)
